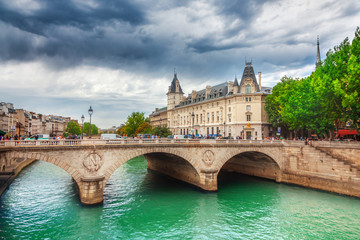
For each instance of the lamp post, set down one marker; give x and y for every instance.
(193, 125)
(224, 130)
(160, 122)
(82, 126)
(90, 111)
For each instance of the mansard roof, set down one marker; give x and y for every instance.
(173, 85)
(216, 91)
(249, 73)
(221, 90)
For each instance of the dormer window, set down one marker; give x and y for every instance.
(248, 88)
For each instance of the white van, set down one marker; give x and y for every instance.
(110, 136)
(179, 137)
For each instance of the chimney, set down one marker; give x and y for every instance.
(207, 91)
(193, 95)
(230, 86)
(260, 80)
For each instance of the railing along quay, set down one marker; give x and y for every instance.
(75, 142)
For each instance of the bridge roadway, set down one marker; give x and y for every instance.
(329, 166)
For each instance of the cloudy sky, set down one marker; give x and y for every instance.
(61, 56)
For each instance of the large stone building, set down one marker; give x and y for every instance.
(230, 109)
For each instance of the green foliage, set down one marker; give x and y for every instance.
(320, 102)
(274, 102)
(161, 131)
(73, 128)
(144, 128)
(94, 129)
(134, 121)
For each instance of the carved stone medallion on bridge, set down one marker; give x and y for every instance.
(208, 157)
(93, 162)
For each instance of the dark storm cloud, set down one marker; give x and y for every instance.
(65, 30)
(60, 12)
(209, 44)
(245, 10)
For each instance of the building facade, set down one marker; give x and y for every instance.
(22, 122)
(7, 117)
(229, 109)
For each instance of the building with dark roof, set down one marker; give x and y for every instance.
(229, 109)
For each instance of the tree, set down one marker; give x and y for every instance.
(134, 121)
(73, 128)
(161, 131)
(121, 130)
(144, 128)
(348, 86)
(94, 129)
(275, 102)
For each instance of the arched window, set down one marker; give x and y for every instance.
(248, 88)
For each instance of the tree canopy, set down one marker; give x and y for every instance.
(94, 129)
(73, 128)
(161, 131)
(328, 97)
(134, 121)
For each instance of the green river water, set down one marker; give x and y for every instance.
(43, 203)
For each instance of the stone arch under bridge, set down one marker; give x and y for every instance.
(12, 158)
(263, 162)
(16, 161)
(166, 160)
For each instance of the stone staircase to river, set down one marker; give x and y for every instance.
(331, 166)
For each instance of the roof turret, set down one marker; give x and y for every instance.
(249, 73)
(173, 85)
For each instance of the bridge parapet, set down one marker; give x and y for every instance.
(19, 143)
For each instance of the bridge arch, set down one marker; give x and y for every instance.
(152, 154)
(272, 153)
(29, 157)
(255, 162)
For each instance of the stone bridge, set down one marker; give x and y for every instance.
(327, 166)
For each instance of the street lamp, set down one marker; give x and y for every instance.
(193, 125)
(224, 130)
(160, 122)
(90, 111)
(82, 126)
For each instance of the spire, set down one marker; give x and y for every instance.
(236, 83)
(175, 85)
(318, 59)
